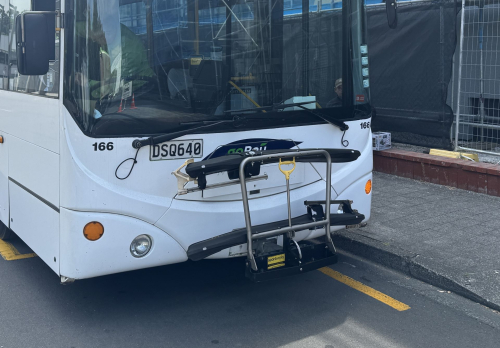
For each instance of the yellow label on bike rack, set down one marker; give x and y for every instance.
(275, 261)
(287, 172)
(276, 265)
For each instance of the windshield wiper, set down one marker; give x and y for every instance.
(138, 143)
(342, 125)
(158, 139)
(273, 107)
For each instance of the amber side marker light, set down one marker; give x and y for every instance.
(368, 187)
(1, 139)
(93, 230)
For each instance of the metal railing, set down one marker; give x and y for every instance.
(477, 119)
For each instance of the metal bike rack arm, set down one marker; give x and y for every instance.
(246, 207)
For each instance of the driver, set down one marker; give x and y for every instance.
(337, 101)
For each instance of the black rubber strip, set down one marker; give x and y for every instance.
(35, 195)
(232, 162)
(205, 248)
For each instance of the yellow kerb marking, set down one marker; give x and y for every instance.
(365, 289)
(10, 253)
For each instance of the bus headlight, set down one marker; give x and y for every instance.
(141, 245)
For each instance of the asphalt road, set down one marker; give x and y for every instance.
(211, 304)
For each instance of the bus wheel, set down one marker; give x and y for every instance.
(5, 232)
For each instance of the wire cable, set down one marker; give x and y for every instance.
(345, 143)
(131, 169)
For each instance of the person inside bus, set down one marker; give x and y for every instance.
(337, 101)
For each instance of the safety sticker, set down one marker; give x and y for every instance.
(275, 261)
(276, 266)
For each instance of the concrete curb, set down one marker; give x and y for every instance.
(403, 261)
(472, 176)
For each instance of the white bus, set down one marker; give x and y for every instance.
(140, 133)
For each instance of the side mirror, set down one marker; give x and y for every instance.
(33, 43)
(391, 7)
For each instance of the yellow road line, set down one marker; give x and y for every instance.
(10, 253)
(365, 289)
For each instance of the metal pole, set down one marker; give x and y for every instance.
(328, 200)
(457, 119)
(347, 73)
(229, 47)
(288, 201)
(481, 69)
(276, 13)
(444, 86)
(151, 41)
(197, 27)
(290, 235)
(150, 32)
(283, 231)
(305, 47)
(485, 126)
(246, 209)
(9, 65)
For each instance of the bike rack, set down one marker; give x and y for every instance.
(290, 229)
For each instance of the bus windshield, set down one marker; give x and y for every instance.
(143, 67)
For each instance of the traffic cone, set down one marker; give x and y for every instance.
(120, 109)
(133, 102)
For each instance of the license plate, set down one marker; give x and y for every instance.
(275, 261)
(177, 149)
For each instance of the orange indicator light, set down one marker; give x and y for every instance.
(93, 231)
(368, 187)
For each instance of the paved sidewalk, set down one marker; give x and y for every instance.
(444, 236)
